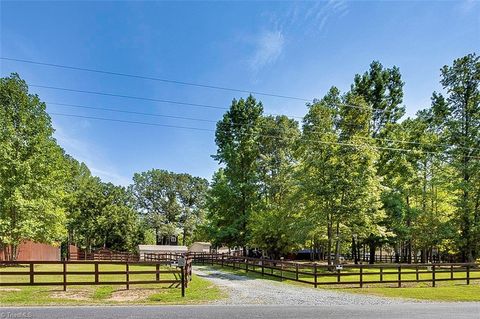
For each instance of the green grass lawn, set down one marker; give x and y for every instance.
(444, 290)
(199, 290)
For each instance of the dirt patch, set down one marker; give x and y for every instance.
(72, 294)
(131, 295)
(10, 289)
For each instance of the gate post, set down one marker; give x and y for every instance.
(182, 268)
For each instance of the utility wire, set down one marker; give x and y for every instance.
(213, 121)
(130, 112)
(130, 97)
(132, 122)
(208, 86)
(263, 135)
(176, 82)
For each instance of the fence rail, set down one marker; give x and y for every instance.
(321, 274)
(104, 255)
(29, 277)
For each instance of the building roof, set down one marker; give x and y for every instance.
(162, 248)
(202, 243)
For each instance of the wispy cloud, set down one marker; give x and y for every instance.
(467, 6)
(268, 48)
(306, 17)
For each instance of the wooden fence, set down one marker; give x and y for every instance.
(321, 274)
(29, 277)
(104, 255)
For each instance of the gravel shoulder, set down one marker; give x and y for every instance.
(243, 290)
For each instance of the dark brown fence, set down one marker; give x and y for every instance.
(173, 258)
(104, 255)
(28, 277)
(321, 274)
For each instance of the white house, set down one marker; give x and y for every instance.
(200, 247)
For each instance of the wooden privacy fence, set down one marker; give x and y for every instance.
(31, 276)
(320, 274)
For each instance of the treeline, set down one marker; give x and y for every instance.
(353, 173)
(356, 173)
(47, 196)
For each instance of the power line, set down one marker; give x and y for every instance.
(130, 97)
(146, 99)
(264, 135)
(208, 86)
(131, 112)
(132, 122)
(177, 82)
(171, 81)
(213, 121)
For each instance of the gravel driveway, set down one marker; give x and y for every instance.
(243, 290)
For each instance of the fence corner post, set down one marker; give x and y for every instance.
(315, 275)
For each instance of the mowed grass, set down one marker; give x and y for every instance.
(199, 290)
(456, 290)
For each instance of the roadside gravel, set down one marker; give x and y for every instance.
(243, 290)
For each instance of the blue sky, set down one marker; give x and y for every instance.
(289, 48)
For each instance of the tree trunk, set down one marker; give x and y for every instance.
(329, 245)
(354, 251)
(337, 244)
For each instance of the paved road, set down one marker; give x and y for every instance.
(392, 311)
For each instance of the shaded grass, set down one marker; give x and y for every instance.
(198, 291)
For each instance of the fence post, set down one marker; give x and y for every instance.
(96, 272)
(399, 276)
(416, 273)
(64, 275)
(246, 265)
(315, 274)
(381, 273)
(361, 276)
(157, 269)
(338, 275)
(451, 272)
(127, 274)
(296, 271)
(263, 269)
(32, 280)
(281, 271)
(433, 275)
(183, 280)
(468, 274)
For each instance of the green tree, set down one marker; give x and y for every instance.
(192, 193)
(461, 110)
(338, 173)
(156, 197)
(382, 89)
(236, 137)
(31, 165)
(273, 224)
